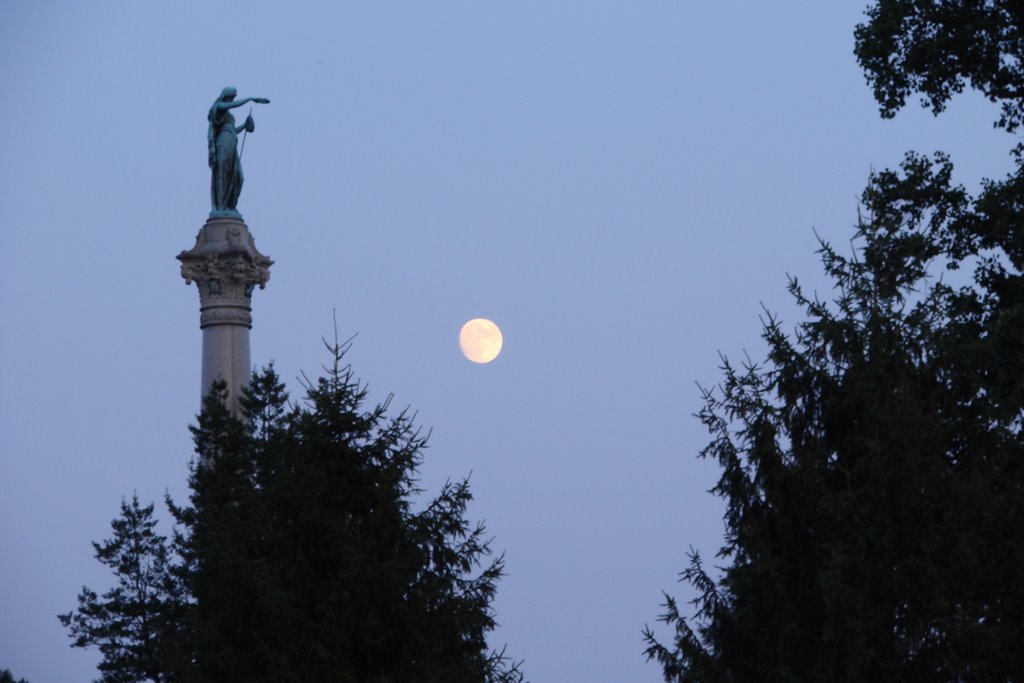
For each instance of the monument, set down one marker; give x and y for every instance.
(224, 263)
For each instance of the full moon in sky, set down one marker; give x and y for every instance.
(480, 340)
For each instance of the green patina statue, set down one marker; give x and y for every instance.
(225, 163)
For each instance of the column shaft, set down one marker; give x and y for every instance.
(226, 267)
(226, 357)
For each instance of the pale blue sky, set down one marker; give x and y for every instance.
(618, 185)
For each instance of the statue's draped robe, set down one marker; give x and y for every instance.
(226, 177)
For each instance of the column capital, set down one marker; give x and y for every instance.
(226, 267)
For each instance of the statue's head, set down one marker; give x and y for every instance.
(228, 94)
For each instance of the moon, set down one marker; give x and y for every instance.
(480, 340)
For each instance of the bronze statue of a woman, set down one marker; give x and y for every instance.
(226, 179)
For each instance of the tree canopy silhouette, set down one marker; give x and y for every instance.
(873, 464)
(303, 554)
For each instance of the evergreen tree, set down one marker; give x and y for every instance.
(302, 555)
(873, 466)
(133, 623)
(872, 518)
(306, 558)
(7, 677)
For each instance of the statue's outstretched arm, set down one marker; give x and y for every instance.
(246, 100)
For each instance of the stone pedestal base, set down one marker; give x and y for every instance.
(226, 266)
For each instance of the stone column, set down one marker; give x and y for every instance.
(226, 266)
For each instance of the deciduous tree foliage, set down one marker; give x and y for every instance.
(937, 47)
(873, 464)
(303, 555)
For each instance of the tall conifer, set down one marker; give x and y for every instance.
(305, 552)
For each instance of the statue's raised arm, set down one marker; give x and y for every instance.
(225, 166)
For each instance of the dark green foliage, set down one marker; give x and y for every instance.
(301, 556)
(873, 466)
(134, 623)
(936, 47)
(306, 559)
(872, 473)
(7, 677)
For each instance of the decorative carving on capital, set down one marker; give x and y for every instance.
(227, 268)
(236, 268)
